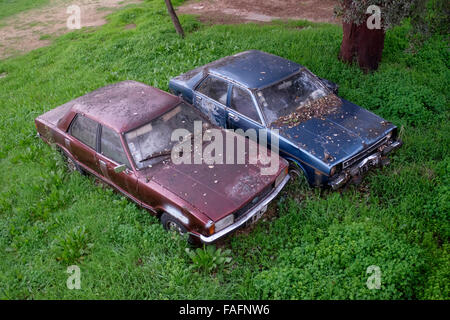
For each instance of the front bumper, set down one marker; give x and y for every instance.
(377, 159)
(245, 218)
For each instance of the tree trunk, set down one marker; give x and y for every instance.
(362, 45)
(174, 18)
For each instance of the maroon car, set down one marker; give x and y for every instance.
(122, 134)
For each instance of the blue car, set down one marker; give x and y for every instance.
(328, 139)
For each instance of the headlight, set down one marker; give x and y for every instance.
(225, 222)
(281, 177)
(389, 135)
(335, 169)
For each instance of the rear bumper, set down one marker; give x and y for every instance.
(377, 159)
(244, 219)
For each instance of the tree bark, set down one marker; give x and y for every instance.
(174, 18)
(362, 45)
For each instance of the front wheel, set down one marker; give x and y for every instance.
(171, 224)
(295, 172)
(297, 175)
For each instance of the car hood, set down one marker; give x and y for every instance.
(215, 190)
(338, 136)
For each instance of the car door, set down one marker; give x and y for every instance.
(243, 112)
(112, 155)
(82, 141)
(211, 98)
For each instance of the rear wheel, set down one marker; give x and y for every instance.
(72, 165)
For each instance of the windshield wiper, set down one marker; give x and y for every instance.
(157, 155)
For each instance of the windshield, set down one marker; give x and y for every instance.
(151, 143)
(285, 97)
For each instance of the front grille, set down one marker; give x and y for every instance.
(363, 154)
(252, 203)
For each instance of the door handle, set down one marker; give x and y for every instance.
(67, 143)
(233, 117)
(199, 98)
(102, 163)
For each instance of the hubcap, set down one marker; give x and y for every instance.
(294, 173)
(172, 226)
(71, 164)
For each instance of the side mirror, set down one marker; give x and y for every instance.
(120, 168)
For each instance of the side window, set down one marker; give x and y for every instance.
(111, 147)
(242, 102)
(85, 130)
(214, 88)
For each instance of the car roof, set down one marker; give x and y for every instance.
(125, 105)
(254, 69)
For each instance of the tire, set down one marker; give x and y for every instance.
(171, 224)
(72, 165)
(298, 175)
(295, 172)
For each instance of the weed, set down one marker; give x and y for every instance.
(73, 246)
(208, 258)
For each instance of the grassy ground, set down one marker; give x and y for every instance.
(318, 246)
(10, 7)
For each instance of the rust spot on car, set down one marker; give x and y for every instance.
(327, 157)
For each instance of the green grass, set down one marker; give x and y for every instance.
(45, 37)
(11, 7)
(320, 244)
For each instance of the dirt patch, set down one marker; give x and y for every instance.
(242, 11)
(35, 28)
(130, 26)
